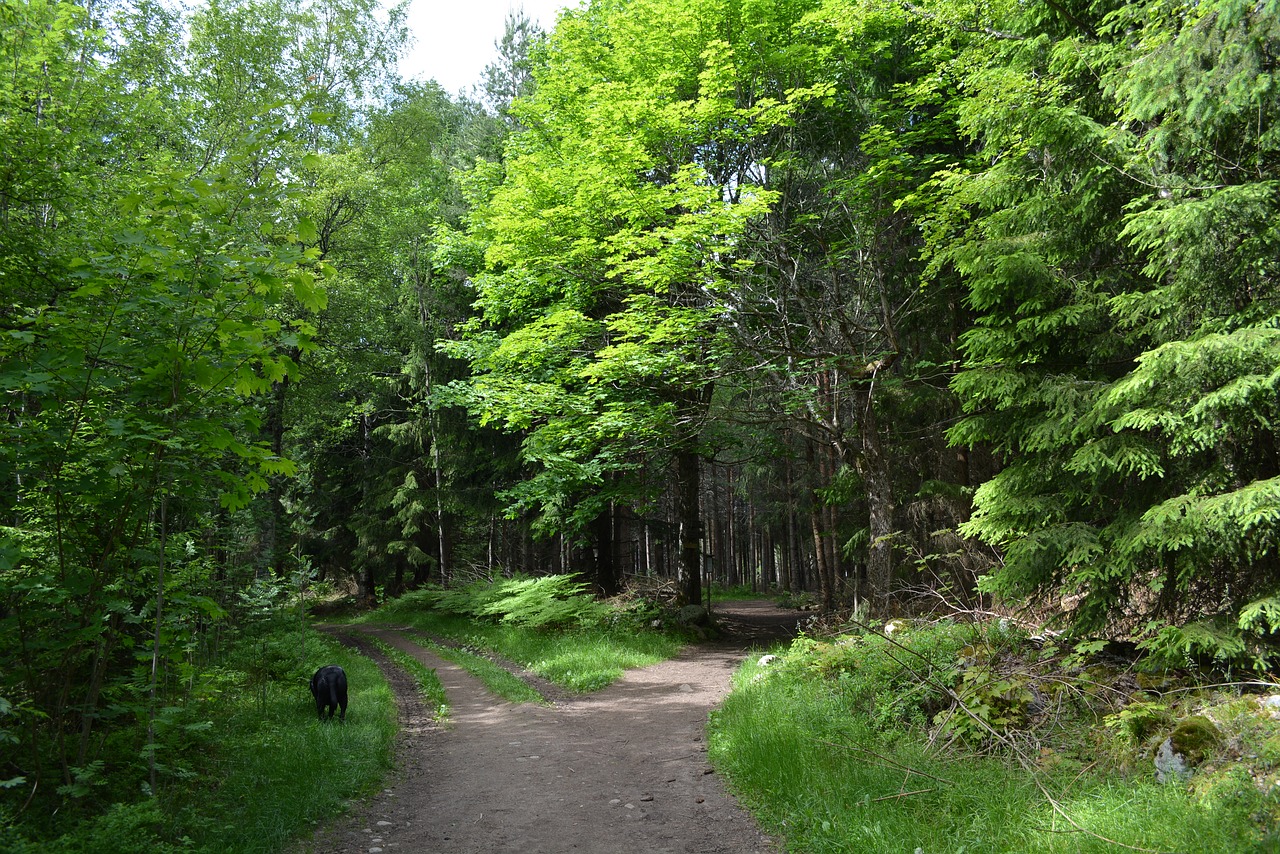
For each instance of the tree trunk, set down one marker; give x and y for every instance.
(879, 486)
(442, 525)
(791, 559)
(820, 557)
(607, 581)
(817, 517)
(688, 487)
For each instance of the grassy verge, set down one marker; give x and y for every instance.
(249, 768)
(835, 759)
(739, 593)
(579, 657)
(496, 678)
(428, 682)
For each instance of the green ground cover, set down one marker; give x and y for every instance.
(429, 687)
(246, 765)
(550, 627)
(854, 744)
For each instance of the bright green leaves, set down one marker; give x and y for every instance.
(611, 240)
(308, 290)
(307, 231)
(534, 372)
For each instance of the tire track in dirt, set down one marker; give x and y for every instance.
(621, 770)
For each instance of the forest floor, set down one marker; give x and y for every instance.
(621, 770)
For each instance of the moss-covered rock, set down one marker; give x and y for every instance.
(1195, 738)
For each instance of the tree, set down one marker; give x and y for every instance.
(511, 77)
(611, 238)
(1122, 266)
(838, 338)
(142, 280)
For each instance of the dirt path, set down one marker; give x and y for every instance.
(622, 770)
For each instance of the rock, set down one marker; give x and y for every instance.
(766, 660)
(693, 615)
(1186, 747)
(1170, 767)
(1194, 738)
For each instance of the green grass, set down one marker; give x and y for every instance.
(738, 592)
(827, 779)
(275, 774)
(496, 678)
(251, 768)
(587, 659)
(428, 682)
(581, 659)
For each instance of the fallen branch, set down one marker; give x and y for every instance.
(900, 795)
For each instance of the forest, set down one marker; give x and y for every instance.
(941, 306)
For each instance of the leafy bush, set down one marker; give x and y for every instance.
(1215, 643)
(896, 683)
(549, 601)
(129, 828)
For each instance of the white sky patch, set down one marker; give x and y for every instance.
(453, 39)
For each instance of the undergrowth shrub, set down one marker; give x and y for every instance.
(858, 743)
(545, 602)
(241, 762)
(895, 684)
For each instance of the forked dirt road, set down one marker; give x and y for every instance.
(621, 770)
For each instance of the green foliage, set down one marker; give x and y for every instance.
(827, 776)
(582, 657)
(546, 602)
(612, 229)
(159, 290)
(990, 703)
(130, 828)
(1120, 256)
(1208, 643)
(243, 767)
(893, 684)
(1138, 721)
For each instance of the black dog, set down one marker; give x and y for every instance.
(329, 687)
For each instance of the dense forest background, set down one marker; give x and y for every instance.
(945, 304)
